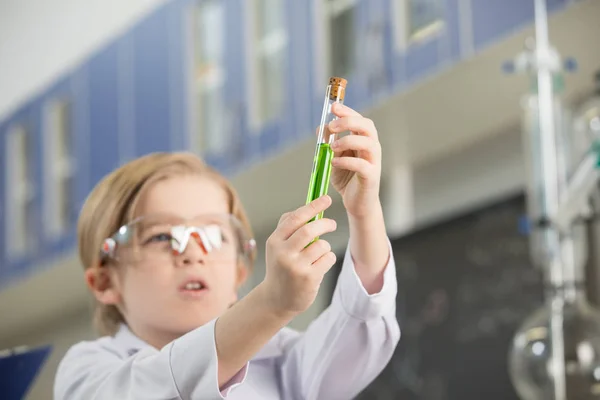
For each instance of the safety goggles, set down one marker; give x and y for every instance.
(165, 236)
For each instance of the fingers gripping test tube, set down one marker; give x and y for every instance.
(321, 170)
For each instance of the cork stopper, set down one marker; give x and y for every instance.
(338, 88)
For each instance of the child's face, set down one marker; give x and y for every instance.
(152, 293)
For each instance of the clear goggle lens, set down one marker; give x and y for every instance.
(163, 236)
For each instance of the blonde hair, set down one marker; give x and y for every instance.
(112, 203)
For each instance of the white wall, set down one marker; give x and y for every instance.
(482, 173)
(42, 39)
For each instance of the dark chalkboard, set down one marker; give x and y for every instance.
(465, 285)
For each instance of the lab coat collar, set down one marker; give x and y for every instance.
(128, 342)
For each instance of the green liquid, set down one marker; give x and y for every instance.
(319, 180)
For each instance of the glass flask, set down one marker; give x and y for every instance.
(530, 359)
(531, 365)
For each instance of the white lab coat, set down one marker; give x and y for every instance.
(341, 352)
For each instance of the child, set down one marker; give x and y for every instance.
(166, 245)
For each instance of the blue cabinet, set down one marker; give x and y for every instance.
(137, 103)
(453, 38)
(178, 75)
(233, 108)
(301, 70)
(154, 73)
(492, 19)
(107, 110)
(151, 64)
(495, 19)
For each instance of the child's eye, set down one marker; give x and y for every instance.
(227, 235)
(160, 237)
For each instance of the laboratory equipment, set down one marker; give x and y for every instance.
(587, 117)
(531, 364)
(541, 240)
(555, 354)
(531, 367)
(321, 169)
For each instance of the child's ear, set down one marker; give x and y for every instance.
(242, 274)
(102, 282)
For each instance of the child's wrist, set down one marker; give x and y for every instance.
(366, 218)
(271, 306)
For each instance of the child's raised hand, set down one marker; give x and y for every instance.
(294, 272)
(356, 171)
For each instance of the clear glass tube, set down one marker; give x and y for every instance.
(544, 242)
(321, 170)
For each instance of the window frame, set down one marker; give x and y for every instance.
(324, 12)
(59, 168)
(261, 48)
(20, 192)
(206, 78)
(403, 37)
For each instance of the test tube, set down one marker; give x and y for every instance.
(321, 170)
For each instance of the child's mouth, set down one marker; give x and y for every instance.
(193, 288)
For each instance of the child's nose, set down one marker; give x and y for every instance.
(194, 252)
